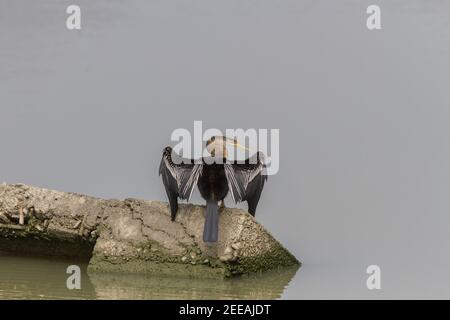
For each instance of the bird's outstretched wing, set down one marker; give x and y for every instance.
(246, 180)
(179, 178)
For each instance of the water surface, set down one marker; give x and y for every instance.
(43, 278)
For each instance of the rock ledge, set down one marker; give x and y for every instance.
(134, 235)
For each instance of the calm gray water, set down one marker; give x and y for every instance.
(40, 278)
(363, 116)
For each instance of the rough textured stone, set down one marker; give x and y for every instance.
(134, 235)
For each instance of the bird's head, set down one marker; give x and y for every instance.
(217, 145)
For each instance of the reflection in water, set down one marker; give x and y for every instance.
(40, 278)
(263, 286)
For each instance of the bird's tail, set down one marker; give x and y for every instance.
(211, 228)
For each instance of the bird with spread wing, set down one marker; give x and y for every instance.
(215, 177)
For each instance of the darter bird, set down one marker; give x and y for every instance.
(214, 176)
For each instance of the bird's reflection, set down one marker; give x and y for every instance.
(269, 285)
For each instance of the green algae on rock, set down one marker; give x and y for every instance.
(134, 235)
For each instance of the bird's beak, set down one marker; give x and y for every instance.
(241, 146)
(237, 144)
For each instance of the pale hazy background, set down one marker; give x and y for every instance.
(363, 116)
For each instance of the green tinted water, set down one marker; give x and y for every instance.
(42, 278)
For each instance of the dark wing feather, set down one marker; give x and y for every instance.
(246, 180)
(179, 178)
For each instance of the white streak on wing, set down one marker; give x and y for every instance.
(193, 178)
(179, 174)
(247, 176)
(172, 170)
(233, 184)
(230, 178)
